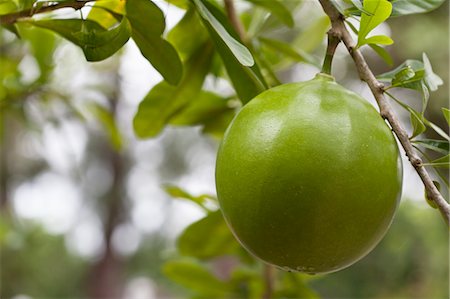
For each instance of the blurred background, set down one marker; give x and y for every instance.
(88, 210)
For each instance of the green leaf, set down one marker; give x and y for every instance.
(13, 29)
(439, 146)
(107, 12)
(415, 82)
(188, 34)
(379, 40)
(277, 9)
(165, 100)
(403, 75)
(67, 28)
(407, 7)
(446, 113)
(147, 22)
(207, 238)
(210, 110)
(288, 50)
(196, 277)
(177, 192)
(239, 51)
(443, 162)
(341, 7)
(107, 120)
(7, 6)
(183, 4)
(382, 53)
(417, 122)
(207, 107)
(380, 10)
(101, 45)
(431, 79)
(247, 81)
(437, 129)
(96, 42)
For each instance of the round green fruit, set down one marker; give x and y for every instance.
(308, 176)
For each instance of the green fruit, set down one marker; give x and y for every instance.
(308, 176)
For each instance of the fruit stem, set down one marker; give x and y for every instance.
(333, 42)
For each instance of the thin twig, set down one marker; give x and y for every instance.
(377, 88)
(14, 17)
(234, 19)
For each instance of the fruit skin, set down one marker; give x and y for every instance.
(308, 176)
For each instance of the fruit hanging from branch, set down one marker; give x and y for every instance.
(309, 176)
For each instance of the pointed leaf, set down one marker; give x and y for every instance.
(107, 12)
(446, 113)
(96, 42)
(177, 192)
(443, 162)
(247, 81)
(101, 45)
(380, 10)
(239, 51)
(188, 34)
(67, 28)
(431, 79)
(407, 7)
(164, 100)
(437, 129)
(382, 53)
(147, 23)
(414, 82)
(439, 146)
(379, 40)
(417, 123)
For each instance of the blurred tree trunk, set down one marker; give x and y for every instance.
(106, 277)
(5, 147)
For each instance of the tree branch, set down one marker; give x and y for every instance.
(234, 19)
(14, 17)
(377, 88)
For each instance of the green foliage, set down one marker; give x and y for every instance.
(238, 50)
(401, 7)
(247, 81)
(165, 100)
(26, 252)
(147, 22)
(375, 13)
(97, 43)
(196, 277)
(207, 238)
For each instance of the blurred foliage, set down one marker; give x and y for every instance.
(34, 262)
(410, 262)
